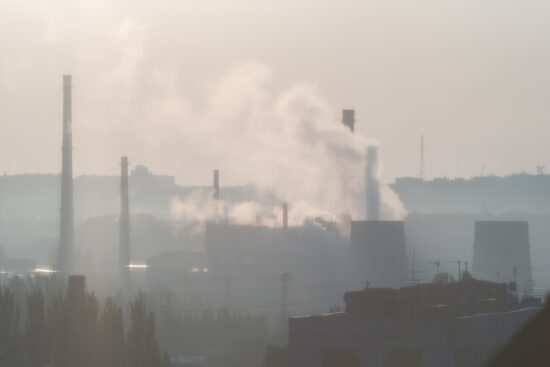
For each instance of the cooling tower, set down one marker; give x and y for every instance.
(66, 229)
(124, 226)
(378, 252)
(501, 253)
(348, 119)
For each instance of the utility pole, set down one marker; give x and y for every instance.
(415, 280)
(436, 263)
(459, 272)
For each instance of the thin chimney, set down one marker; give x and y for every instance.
(216, 185)
(66, 232)
(124, 225)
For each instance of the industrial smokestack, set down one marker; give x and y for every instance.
(372, 187)
(285, 216)
(348, 119)
(216, 185)
(501, 252)
(66, 232)
(378, 252)
(124, 225)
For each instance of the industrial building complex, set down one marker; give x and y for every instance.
(445, 286)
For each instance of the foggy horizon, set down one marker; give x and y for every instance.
(453, 72)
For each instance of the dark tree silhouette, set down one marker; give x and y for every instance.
(71, 329)
(36, 330)
(9, 328)
(142, 349)
(74, 320)
(111, 336)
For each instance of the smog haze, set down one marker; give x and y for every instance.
(153, 81)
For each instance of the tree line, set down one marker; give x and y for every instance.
(43, 325)
(224, 337)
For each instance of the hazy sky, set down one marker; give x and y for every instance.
(472, 76)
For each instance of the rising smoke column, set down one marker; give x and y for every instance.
(291, 143)
(372, 184)
(287, 139)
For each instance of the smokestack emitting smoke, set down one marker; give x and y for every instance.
(66, 232)
(124, 225)
(286, 140)
(348, 119)
(373, 189)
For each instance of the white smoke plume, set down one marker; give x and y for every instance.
(291, 141)
(287, 139)
(372, 184)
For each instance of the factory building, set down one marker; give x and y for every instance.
(241, 267)
(454, 325)
(185, 273)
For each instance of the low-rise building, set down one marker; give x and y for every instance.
(443, 325)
